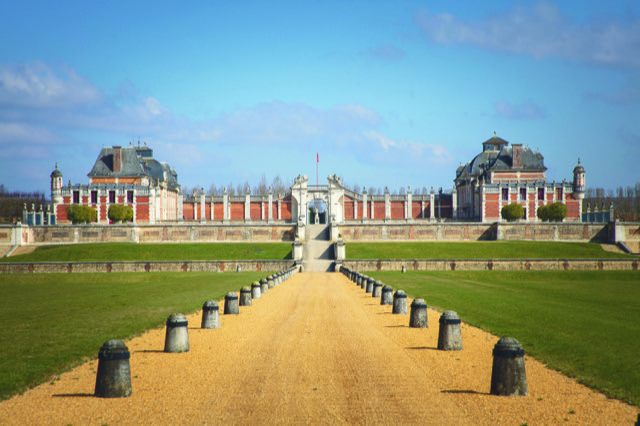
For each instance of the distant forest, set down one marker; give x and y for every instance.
(12, 203)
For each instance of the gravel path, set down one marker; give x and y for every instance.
(315, 349)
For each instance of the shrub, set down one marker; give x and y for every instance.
(118, 212)
(512, 212)
(81, 214)
(555, 212)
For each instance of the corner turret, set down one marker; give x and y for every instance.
(56, 186)
(578, 182)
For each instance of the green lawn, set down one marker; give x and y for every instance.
(479, 250)
(147, 252)
(583, 323)
(54, 321)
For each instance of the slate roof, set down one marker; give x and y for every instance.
(136, 162)
(499, 160)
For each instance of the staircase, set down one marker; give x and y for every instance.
(317, 254)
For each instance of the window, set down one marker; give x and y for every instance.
(505, 194)
(523, 194)
(540, 193)
(94, 197)
(112, 197)
(130, 197)
(76, 197)
(559, 193)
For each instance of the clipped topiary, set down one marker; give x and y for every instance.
(543, 213)
(555, 212)
(118, 212)
(81, 214)
(512, 212)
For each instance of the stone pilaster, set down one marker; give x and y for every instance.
(432, 205)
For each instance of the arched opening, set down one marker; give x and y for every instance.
(317, 212)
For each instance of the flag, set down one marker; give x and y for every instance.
(318, 158)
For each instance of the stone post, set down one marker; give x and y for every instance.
(270, 209)
(432, 205)
(399, 303)
(225, 206)
(454, 204)
(203, 206)
(245, 296)
(508, 375)
(264, 286)
(369, 288)
(419, 317)
(113, 379)
(256, 292)
(449, 335)
(231, 304)
(177, 336)
(377, 289)
(409, 209)
(210, 315)
(247, 205)
(387, 295)
(387, 204)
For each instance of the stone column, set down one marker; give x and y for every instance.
(355, 208)
(409, 209)
(422, 206)
(225, 206)
(270, 214)
(180, 213)
(364, 204)
(203, 206)
(387, 203)
(432, 206)
(454, 204)
(247, 205)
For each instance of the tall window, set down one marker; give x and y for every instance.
(76, 197)
(112, 197)
(559, 193)
(540, 193)
(130, 197)
(94, 197)
(523, 194)
(505, 194)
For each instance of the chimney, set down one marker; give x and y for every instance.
(117, 159)
(517, 155)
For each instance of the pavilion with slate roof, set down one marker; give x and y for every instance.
(123, 175)
(503, 174)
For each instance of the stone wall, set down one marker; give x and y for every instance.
(167, 266)
(473, 231)
(493, 264)
(201, 233)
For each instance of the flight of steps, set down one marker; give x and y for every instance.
(317, 253)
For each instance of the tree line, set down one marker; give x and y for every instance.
(625, 199)
(12, 203)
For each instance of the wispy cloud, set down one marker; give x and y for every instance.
(385, 52)
(384, 150)
(540, 30)
(524, 111)
(625, 96)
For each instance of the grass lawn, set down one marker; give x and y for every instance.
(54, 321)
(583, 323)
(479, 250)
(147, 252)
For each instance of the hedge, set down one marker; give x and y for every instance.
(512, 212)
(118, 212)
(555, 212)
(81, 214)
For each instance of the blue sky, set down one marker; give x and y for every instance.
(388, 93)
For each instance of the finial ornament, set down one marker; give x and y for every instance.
(578, 161)
(494, 133)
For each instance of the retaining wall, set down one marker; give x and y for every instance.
(178, 233)
(493, 264)
(165, 266)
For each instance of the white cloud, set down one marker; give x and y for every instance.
(18, 133)
(36, 85)
(540, 30)
(385, 150)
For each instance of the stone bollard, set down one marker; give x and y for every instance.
(419, 317)
(210, 315)
(264, 286)
(231, 304)
(449, 335)
(404, 269)
(508, 376)
(245, 296)
(270, 283)
(358, 279)
(363, 282)
(369, 288)
(255, 290)
(114, 373)
(399, 303)
(177, 336)
(387, 295)
(377, 289)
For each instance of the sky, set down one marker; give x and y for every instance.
(392, 94)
